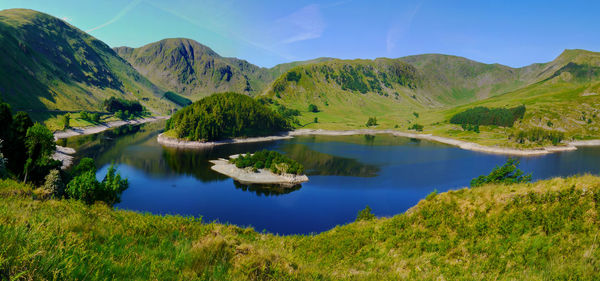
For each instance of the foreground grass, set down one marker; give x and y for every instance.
(542, 231)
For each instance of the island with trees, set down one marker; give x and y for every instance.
(262, 167)
(222, 117)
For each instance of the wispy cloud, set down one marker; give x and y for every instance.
(304, 24)
(400, 27)
(119, 15)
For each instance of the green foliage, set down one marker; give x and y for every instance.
(416, 114)
(506, 174)
(316, 120)
(416, 127)
(117, 104)
(53, 184)
(177, 99)
(66, 120)
(469, 127)
(371, 122)
(40, 147)
(365, 214)
(226, 115)
(87, 188)
(15, 150)
(273, 160)
(538, 135)
(293, 76)
(313, 108)
(489, 116)
(86, 164)
(90, 117)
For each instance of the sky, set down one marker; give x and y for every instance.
(266, 33)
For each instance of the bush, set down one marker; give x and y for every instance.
(365, 215)
(538, 135)
(313, 108)
(416, 114)
(273, 160)
(85, 187)
(66, 120)
(416, 127)
(316, 120)
(371, 122)
(507, 174)
(116, 104)
(54, 184)
(489, 116)
(469, 127)
(40, 146)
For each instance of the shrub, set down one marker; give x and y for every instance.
(416, 127)
(416, 114)
(85, 187)
(489, 116)
(40, 146)
(469, 127)
(273, 160)
(506, 174)
(66, 120)
(371, 122)
(54, 184)
(313, 108)
(538, 135)
(365, 214)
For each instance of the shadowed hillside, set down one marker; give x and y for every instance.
(49, 64)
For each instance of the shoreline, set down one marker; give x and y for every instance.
(65, 154)
(81, 131)
(262, 176)
(172, 142)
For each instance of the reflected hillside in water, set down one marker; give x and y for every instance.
(323, 164)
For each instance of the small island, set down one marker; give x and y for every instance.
(223, 118)
(263, 167)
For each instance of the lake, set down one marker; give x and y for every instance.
(347, 173)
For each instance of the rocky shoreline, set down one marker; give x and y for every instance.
(168, 141)
(261, 176)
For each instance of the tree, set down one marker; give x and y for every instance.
(6, 120)
(17, 155)
(506, 174)
(54, 184)
(87, 188)
(66, 120)
(40, 147)
(316, 120)
(365, 215)
(3, 171)
(371, 122)
(313, 108)
(85, 165)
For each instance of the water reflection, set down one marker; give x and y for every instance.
(266, 190)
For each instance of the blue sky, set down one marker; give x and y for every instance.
(514, 33)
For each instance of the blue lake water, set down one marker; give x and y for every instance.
(388, 173)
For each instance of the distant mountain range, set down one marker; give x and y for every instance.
(51, 65)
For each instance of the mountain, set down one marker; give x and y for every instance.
(48, 64)
(194, 70)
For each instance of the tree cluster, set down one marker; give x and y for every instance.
(506, 174)
(371, 122)
(117, 104)
(226, 115)
(416, 127)
(26, 147)
(538, 135)
(90, 117)
(272, 160)
(85, 187)
(177, 99)
(480, 115)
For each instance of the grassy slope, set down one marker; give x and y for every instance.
(440, 81)
(51, 65)
(561, 91)
(562, 96)
(545, 230)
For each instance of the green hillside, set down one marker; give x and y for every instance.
(189, 68)
(541, 231)
(566, 99)
(48, 64)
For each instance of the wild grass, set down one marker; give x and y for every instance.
(545, 230)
